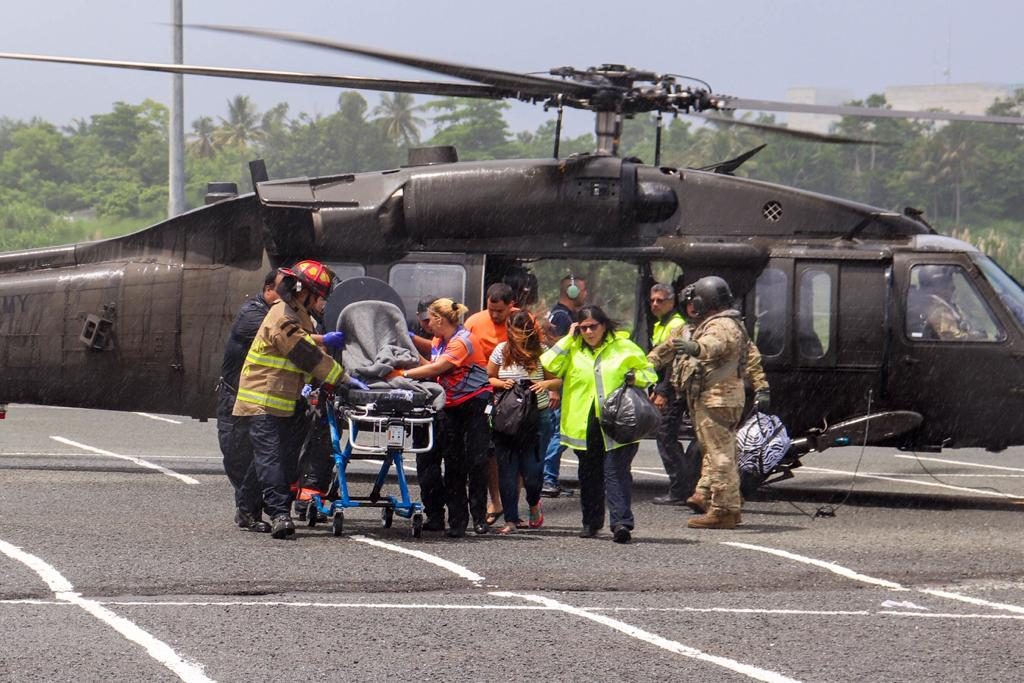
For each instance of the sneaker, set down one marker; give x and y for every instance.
(621, 534)
(551, 490)
(244, 519)
(282, 526)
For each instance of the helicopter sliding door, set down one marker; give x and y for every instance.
(958, 354)
(820, 327)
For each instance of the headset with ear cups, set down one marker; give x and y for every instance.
(573, 290)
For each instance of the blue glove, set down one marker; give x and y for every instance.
(335, 341)
(307, 390)
(358, 384)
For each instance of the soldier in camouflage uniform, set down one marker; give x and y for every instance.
(709, 366)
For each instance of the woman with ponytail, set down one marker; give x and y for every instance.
(457, 364)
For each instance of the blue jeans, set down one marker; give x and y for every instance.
(553, 449)
(521, 459)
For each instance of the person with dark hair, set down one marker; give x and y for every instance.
(281, 356)
(458, 366)
(488, 327)
(594, 360)
(421, 333)
(518, 360)
(233, 432)
(524, 286)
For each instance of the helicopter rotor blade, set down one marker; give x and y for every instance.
(535, 86)
(868, 112)
(827, 138)
(438, 88)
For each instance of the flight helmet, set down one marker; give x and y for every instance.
(708, 294)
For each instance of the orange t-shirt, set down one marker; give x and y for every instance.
(485, 332)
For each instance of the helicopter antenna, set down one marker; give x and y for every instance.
(558, 124)
(657, 141)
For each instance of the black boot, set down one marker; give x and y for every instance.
(282, 526)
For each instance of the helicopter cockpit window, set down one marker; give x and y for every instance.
(345, 271)
(771, 305)
(943, 305)
(415, 280)
(814, 319)
(1007, 289)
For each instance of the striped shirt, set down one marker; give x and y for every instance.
(517, 372)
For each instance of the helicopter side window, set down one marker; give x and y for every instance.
(1007, 289)
(814, 319)
(943, 305)
(415, 280)
(771, 311)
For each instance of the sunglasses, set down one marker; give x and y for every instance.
(658, 301)
(589, 327)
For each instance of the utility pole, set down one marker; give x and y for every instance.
(176, 151)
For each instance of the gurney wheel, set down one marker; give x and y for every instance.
(417, 525)
(338, 523)
(387, 517)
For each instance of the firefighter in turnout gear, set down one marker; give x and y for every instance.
(710, 369)
(283, 357)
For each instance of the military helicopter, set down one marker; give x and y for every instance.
(835, 292)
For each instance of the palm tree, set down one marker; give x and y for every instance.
(401, 124)
(242, 124)
(204, 138)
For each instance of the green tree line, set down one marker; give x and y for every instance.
(108, 174)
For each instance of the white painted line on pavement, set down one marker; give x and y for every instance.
(902, 480)
(942, 615)
(129, 458)
(653, 638)
(157, 417)
(456, 569)
(68, 454)
(830, 566)
(850, 574)
(960, 462)
(65, 592)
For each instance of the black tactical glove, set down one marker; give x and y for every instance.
(687, 346)
(763, 401)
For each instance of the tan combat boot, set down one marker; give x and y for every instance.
(698, 502)
(715, 518)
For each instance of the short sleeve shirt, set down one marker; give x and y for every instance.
(519, 372)
(486, 332)
(560, 318)
(468, 378)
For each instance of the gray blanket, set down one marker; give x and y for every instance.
(377, 342)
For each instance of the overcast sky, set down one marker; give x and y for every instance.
(746, 48)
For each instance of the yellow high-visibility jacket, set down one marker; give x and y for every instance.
(589, 376)
(661, 330)
(282, 358)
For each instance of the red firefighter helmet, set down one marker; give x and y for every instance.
(312, 274)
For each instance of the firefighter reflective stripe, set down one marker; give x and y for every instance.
(335, 374)
(266, 400)
(270, 360)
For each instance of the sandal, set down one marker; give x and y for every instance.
(537, 520)
(492, 517)
(522, 525)
(509, 528)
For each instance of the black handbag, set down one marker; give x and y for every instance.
(627, 415)
(515, 411)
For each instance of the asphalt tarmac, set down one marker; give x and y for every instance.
(119, 562)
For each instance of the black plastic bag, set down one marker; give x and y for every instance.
(515, 411)
(628, 415)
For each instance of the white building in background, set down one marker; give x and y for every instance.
(960, 98)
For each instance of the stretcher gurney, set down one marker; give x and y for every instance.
(394, 417)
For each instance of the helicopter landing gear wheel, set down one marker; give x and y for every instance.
(338, 523)
(417, 525)
(387, 517)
